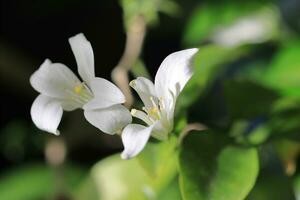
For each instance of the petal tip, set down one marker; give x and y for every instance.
(56, 133)
(125, 156)
(79, 36)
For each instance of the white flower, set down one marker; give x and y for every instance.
(61, 90)
(159, 100)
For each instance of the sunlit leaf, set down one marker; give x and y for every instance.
(211, 168)
(284, 71)
(150, 175)
(154, 154)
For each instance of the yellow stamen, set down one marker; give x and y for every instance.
(78, 89)
(154, 112)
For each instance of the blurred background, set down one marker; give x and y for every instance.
(249, 38)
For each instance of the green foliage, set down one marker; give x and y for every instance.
(284, 71)
(156, 153)
(152, 175)
(266, 184)
(285, 119)
(35, 181)
(13, 186)
(246, 99)
(18, 141)
(246, 95)
(139, 69)
(148, 9)
(208, 18)
(212, 168)
(272, 182)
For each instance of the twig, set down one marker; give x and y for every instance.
(134, 41)
(191, 127)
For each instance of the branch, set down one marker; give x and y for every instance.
(134, 41)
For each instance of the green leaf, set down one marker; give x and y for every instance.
(148, 9)
(272, 182)
(250, 132)
(284, 121)
(206, 18)
(35, 181)
(26, 183)
(211, 168)
(116, 179)
(171, 192)
(284, 71)
(149, 176)
(273, 186)
(152, 157)
(246, 99)
(297, 185)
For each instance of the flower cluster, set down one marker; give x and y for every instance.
(60, 89)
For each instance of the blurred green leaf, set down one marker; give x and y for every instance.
(284, 71)
(35, 181)
(273, 186)
(19, 141)
(250, 132)
(211, 168)
(154, 154)
(272, 182)
(208, 17)
(139, 69)
(246, 99)
(116, 179)
(148, 9)
(147, 177)
(297, 186)
(284, 121)
(171, 192)
(27, 183)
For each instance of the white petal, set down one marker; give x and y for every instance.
(134, 138)
(109, 120)
(69, 105)
(175, 69)
(146, 91)
(54, 80)
(84, 56)
(105, 94)
(46, 113)
(172, 75)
